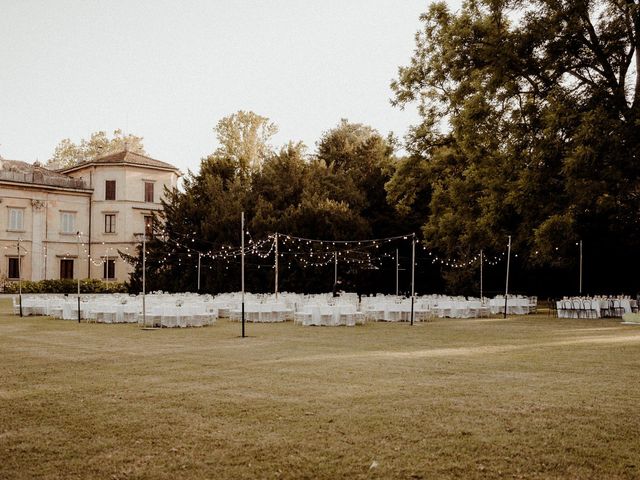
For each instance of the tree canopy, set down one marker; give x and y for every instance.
(243, 139)
(67, 153)
(336, 194)
(529, 128)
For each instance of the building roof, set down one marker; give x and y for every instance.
(23, 172)
(124, 157)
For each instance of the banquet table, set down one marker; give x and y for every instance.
(515, 306)
(329, 315)
(262, 313)
(392, 311)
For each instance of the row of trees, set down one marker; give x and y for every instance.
(336, 193)
(530, 128)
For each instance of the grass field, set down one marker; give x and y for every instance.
(526, 397)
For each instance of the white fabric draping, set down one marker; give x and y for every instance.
(516, 305)
(186, 310)
(183, 310)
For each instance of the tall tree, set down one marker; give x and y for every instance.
(204, 215)
(244, 139)
(67, 153)
(359, 154)
(530, 126)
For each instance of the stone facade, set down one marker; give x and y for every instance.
(108, 200)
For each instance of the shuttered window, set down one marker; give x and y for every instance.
(67, 222)
(110, 190)
(109, 269)
(14, 267)
(110, 223)
(66, 268)
(148, 192)
(16, 219)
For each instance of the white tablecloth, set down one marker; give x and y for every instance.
(515, 306)
(329, 315)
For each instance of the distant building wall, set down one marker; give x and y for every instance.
(51, 216)
(42, 238)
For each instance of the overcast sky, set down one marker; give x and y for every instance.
(169, 70)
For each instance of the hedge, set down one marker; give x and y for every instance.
(67, 286)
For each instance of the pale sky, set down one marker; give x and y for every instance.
(169, 70)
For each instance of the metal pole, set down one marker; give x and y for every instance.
(506, 288)
(199, 260)
(144, 279)
(107, 268)
(481, 295)
(242, 266)
(580, 267)
(20, 277)
(276, 267)
(78, 277)
(413, 273)
(335, 269)
(397, 267)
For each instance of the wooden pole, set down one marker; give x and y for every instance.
(481, 279)
(397, 268)
(580, 290)
(20, 277)
(144, 280)
(276, 267)
(199, 260)
(413, 274)
(242, 267)
(506, 288)
(78, 277)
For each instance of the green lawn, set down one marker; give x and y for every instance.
(526, 397)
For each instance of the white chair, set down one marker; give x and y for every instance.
(326, 315)
(182, 317)
(16, 305)
(212, 314)
(130, 313)
(348, 316)
(201, 316)
(302, 318)
(109, 315)
(154, 317)
(316, 316)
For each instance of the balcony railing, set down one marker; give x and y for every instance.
(40, 178)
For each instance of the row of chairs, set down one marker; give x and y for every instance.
(585, 308)
(578, 308)
(614, 309)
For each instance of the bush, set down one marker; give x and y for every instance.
(66, 286)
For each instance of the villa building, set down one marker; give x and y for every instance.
(71, 223)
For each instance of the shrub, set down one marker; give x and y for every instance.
(66, 286)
